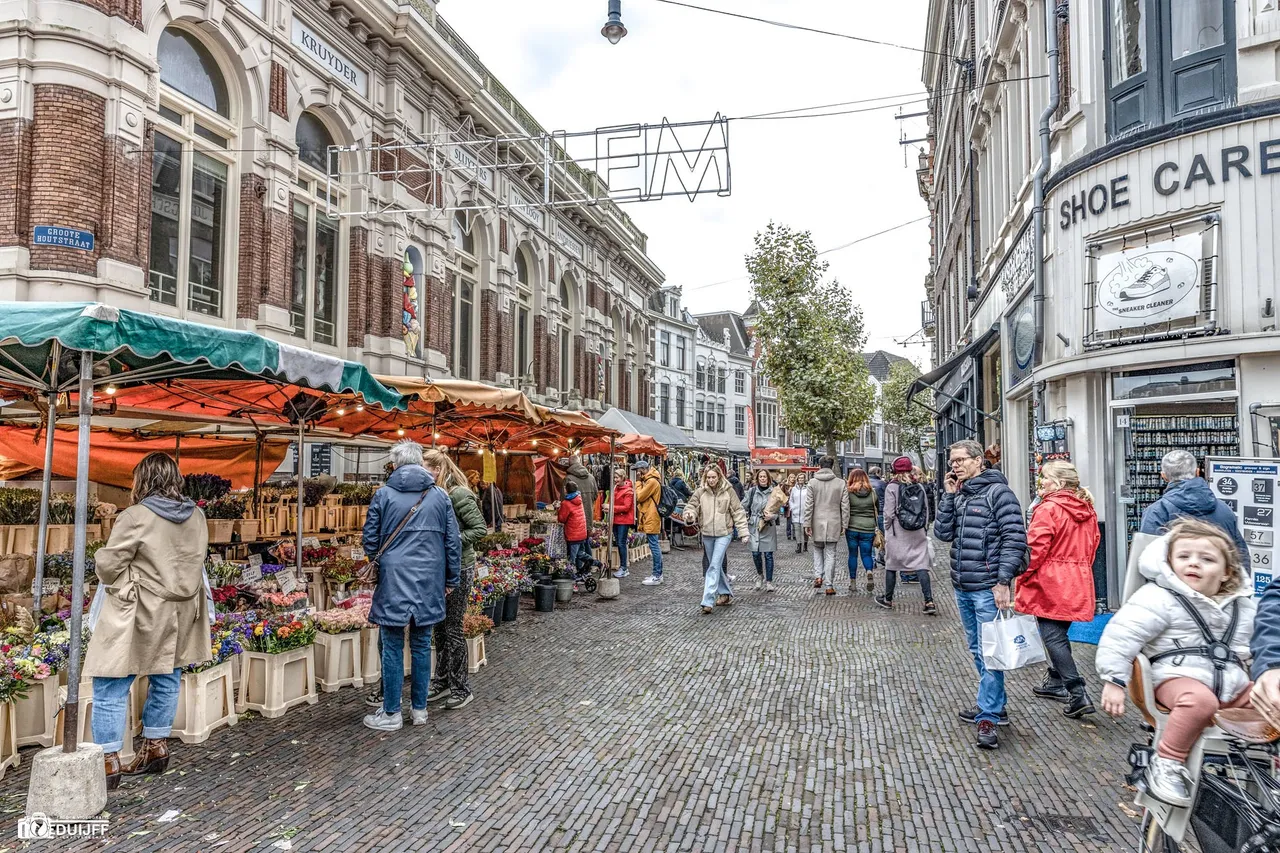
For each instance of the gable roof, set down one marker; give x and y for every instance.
(879, 363)
(716, 324)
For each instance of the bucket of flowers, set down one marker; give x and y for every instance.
(338, 649)
(279, 669)
(39, 664)
(474, 626)
(207, 696)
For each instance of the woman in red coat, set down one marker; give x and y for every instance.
(1057, 587)
(624, 516)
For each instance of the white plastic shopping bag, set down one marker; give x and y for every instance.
(1011, 642)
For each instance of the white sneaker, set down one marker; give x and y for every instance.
(652, 581)
(621, 573)
(384, 722)
(759, 585)
(732, 578)
(419, 717)
(1168, 781)
(769, 587)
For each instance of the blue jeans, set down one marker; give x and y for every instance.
(576, 548)
(655, 548)
(764, 564)
(620, 533)
(976, 609)
(860, 544)
(392, 642)
(111, 700)
(716, 581)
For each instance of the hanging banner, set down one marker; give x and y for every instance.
(490, 467)
(1145, 285)
(779, 457)
(751, 430)
(1249, 487)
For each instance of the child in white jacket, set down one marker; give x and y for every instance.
(1200, 601)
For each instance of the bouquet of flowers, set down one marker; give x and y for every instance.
(494, 542)
(475, 624)
(281, 632)
(599, 538)
(636, 539)
(226, 639)
(221, 572)
(342, 570)
(232, 507)
(283, 600)
(485, 592)
(203, 488)
(342, 620)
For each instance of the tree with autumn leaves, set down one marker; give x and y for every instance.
(812, 337)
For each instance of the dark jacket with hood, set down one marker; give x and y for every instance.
(680, 487)
(423, 560)
(1265, 643)
(579, 479)
(737, 485)
(984, 524)
(1192, 499)
(571, 516)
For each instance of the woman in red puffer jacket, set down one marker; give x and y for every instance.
(1057, 587)
(624, 516)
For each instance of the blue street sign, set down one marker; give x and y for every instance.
(68, 238)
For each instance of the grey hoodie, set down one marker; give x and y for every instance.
(169, 509)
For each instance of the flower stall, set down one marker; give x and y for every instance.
(278, 667)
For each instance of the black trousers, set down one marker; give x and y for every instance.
(451, 646)
(1062, 666)
(891, 582)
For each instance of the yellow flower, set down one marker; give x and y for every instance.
(257, 632)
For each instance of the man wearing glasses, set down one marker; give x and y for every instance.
(980, 516)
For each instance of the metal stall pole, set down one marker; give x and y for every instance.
(257, 475)
(70, 722)
(45, 487)
(297, 557)
(613, 479)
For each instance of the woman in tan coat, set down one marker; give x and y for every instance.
(154, 618)
(716, 509)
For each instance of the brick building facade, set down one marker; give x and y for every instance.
(196, 149)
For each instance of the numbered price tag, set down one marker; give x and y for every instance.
(1259, 516)
(310, 542)
(482, 572)
(1260, 538)
(288, 581)
(357, 554)
(255, 560)
(50, 586)
(251, 574)
(1259, 559)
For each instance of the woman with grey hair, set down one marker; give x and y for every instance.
(413, 543)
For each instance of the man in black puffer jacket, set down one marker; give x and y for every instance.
(980, 516)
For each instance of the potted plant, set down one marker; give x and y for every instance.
(207, 695)
(222, 515)
(279, 666)
(474, 627)
(62, 523)
(338, 652)
(340, 573)
(563, 576)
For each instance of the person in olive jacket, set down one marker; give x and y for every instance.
(980, 516)
(864, 511)
(451, 647)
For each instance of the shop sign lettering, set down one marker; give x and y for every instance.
(336, 63)
(1238, 162)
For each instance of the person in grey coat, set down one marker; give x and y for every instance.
(764, 527)
(417, 569)
(578, 478)
(905, 550)
(826, 517)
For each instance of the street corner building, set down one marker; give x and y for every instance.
(1150, 134)
(326, 175)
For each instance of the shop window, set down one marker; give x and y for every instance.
(314, 293)
(566, 335)
(466, 297)
(524, 329)
(191, 175)
(680, 414)
(1167, 59)
(1178, 381)
(664, 402)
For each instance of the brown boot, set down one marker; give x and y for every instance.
(152, 758)
(112, 762)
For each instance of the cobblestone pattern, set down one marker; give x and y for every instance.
(787, 722)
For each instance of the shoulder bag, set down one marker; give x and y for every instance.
(369, 574)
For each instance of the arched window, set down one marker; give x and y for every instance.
(466, 298)
(316, 235)
(524, 315)
(566, 335)
(191, 171)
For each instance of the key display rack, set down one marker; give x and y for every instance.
(1152, 436)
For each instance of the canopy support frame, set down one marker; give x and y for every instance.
(46, 485)
(71, 714)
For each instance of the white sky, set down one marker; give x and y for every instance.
(840, 177)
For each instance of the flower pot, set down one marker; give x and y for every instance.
(338, 660)
(8, 739)
(220, 529)
(34, 714)
(247, 529)
(493, 610)
(609, 587)
(564, 590)
(475, 654)
(544, 597)
(206, 702)
(272, 684)
(18, 539)
(511, 607)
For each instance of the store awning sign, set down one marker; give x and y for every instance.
(779, 457)
(334, 61)
(67, 238)
(1144, 285)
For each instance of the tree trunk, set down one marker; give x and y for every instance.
(831, 446)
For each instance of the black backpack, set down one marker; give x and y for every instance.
(667, 502)
(913, 507)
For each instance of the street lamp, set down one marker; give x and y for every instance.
(613, 29)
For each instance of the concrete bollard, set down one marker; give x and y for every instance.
(68, 785)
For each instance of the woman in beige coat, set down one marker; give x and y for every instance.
(715, 507)
(154, 618)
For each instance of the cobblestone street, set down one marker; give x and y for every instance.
(787, 722)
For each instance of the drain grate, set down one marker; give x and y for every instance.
(1081, 825)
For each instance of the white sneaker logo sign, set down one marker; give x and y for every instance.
(1144, 285)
